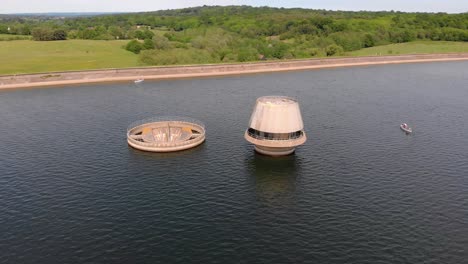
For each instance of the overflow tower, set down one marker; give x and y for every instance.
(276, 126)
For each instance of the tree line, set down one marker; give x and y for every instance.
(243, 33)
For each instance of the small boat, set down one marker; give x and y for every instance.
(139, 80)
(406, 128)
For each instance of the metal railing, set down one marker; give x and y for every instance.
(196, 124)
(171, 119)
(274, 138)
(167, 144)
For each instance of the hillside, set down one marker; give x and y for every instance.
(214, 34)
(25, 56)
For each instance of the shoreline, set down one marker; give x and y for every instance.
(208, 70)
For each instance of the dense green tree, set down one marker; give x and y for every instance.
(348, 40)
(88, 33)
(278, 50)
(369, 41)
(146, 34)
(333, 50)
(48, 34)
(42, 34)
(60, 34)
(4, 29)
(116, 32)
(134, 46)
(148, 44)
(161, 42)
(247, 54)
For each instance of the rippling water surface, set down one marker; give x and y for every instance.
(359, 190)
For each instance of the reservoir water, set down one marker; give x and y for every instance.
(358, 191)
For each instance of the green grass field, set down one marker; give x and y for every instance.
(25, 56)
(417, 47)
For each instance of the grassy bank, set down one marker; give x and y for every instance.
(417, 47)
(9, 37)
(23, 56)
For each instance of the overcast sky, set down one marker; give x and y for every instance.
(35, 6)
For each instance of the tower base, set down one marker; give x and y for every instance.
(274, 151)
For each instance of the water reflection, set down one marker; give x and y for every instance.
(154, 88)
(274, 178)
(145, 89)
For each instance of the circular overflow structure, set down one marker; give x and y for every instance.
(276, 126)
(166, 134)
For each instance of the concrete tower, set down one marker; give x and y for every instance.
(276, 126)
